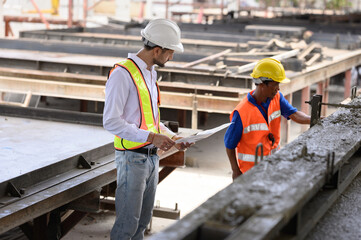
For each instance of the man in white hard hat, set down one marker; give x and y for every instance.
(131, 113)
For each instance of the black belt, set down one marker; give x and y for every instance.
(148, 151)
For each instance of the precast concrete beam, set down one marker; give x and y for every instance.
(92, 92)
(287, 192)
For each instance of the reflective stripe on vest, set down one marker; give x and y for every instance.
(274, 115)
(251, 158)
(147, 121)
(246, 157)
(256, 127)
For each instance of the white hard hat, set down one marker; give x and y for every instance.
(164, 33)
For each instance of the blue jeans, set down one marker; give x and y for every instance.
(137, 179)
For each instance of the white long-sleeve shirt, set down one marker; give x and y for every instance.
(121, 114)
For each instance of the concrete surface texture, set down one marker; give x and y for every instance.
(61, 141)
(344, 218)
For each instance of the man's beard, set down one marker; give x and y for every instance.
(158, 63)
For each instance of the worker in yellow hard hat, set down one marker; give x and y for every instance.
(257, 118)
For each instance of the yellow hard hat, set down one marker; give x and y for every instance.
(270, 68)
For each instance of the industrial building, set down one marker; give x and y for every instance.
(57, 160)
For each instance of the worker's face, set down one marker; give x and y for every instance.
(161, 56)
(271, 89)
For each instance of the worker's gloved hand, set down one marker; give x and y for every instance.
(182, 145)
(161, 141)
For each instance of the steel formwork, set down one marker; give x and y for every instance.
(61, 162)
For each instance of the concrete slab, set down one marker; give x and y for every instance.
(27, 144)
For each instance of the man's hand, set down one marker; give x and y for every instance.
(160, 141)
(236, 173)
(181, 146)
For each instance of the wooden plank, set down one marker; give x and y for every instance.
(313, 59)
(308, 50)
(279, 57)
(208, 58)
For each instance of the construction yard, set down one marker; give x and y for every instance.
(58, 176)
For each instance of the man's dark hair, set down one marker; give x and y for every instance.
(265, 82)
(150, 48)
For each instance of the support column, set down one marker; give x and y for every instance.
(322, 88)
(141, 11)
(347, 92)
(195, 113)
(166, 8)
(319, 89)
(70, 14)
(40, 14)
(85, 12)
(305, 96)
(286, 125)
(2, 28)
